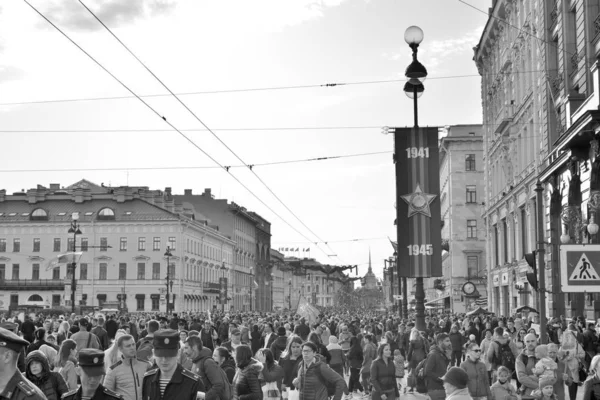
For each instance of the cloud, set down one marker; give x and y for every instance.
(10, 73)
(438, 51)
(114, 13)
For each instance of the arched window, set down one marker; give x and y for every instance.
(106, 214)
(35, 297)
(39, 214)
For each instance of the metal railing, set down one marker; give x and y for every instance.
(32, 283)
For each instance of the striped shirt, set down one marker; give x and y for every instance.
(163, 385)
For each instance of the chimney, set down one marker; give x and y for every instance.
(207, 193)
(187, 192)
(55, 186)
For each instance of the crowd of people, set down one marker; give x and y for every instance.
(339, 354)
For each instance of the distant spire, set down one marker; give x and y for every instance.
(370, 270)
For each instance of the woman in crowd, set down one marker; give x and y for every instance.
(225, 362)
(355, 359)
(417, 351)
(255, 337)
(52, 384)
(321, 349)
(39, 337)
(66, 363)
(112, 355)
(246, 385)
(383, 375)
(290, 360)
(271, 371)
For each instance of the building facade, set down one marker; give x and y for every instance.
(309, 281)
(463, 230)
(125, 233)
(538, 61)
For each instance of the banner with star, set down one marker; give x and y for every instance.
(418, 220)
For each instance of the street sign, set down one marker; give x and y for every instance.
(418, 202)
(580, 267)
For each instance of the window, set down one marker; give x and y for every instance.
(155, 302)
(470, 162)
(39, 215)
(16, 245)
(103, 244)
(172, 270)
(140, 304)
(471, 133)
(172, 243)
(55, 300)
(123, 244)
(36, 245)
(471, 194)
(15, 271)
(155, 271)
(102, 275)
(2, 245)
(497, 244)
(57, 244)
(71, 244)
(141, 271)
(84, 244)
(472, 266)
(35, 272)
(471, 229)
(2, 272)
(141, 244)
(524, 241)
(505, 239)
(56, 274)
(106, 214)
(122, 271)
(83, 271)
(156, 244)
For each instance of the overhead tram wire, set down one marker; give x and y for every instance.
(197, 167)
(205, 126)
(170, 124)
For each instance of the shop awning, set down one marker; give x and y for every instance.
(100, 296)
(121, 296)
(155, 296)
(140, 296)
(438, 300)
(205, 297)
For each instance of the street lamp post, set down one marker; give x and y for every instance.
(74, 229)
(169, 282)
(290, 293)
(251, 285)
(416, 74)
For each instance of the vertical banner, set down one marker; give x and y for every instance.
(223, 290)
(418, 222)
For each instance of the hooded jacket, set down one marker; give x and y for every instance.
(208, 370)
(435, 367)
(245, 383)
(495, 348)
(50, 383)
(126, 377)
(229, 367)
(311, 387)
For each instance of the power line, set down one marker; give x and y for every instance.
(202, 123)
(168, 123)
(336, 241)
(198, 167)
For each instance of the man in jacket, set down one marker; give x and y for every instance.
(369, 354)
(563, 376)
(125, 377)
(224, 330)
(525, 363)
(268, 336)
(144, 346)
(208, 335)
(85, 339)
(436, 365)
(111, 327)
(100, 332)
(302, 330)
(479, 384)
(236, 340)
(206, 368)
(27, 328)
(493, 353)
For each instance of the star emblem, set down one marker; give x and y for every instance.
(96, 360)
(166, 340)
(418, 202)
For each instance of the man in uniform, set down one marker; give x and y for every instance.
(170, 381)
(13, 385)
(91, 373)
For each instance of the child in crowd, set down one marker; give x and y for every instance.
(546, 390)
(399, 364)
(502, 388)
(546, 367)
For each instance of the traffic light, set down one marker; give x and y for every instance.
(532, 277)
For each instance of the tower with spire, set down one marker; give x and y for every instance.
(370, 279)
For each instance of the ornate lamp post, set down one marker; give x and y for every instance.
(74, 229)
(169, 281)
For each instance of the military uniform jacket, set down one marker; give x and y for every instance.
(101, 393)
(20, 388)
(184, 385)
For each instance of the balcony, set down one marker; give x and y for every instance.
(32, 284)
(505, 116)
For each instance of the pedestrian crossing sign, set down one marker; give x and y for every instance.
(579, 266)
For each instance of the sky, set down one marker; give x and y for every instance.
(245, 70)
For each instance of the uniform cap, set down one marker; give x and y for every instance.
(11, 340)
(92, 361)
(166, 343)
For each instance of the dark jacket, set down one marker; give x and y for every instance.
(36, 346)
(111, 328)
(184, 385)
(255, 341)
(101, 393)
(591, 387)
(435, 367)
(416, 352)
(302, 330)
(273, 374)
(290, 370)
(20, 388)
(27, 328)
(50, 383)
(246, 383)
(102, 335)
(311, 386)
(229, 367)
(223, 331)
(355, 356)
(479, 383)
(278, 347)
(209, 373)
(383, 378)
(457, 340)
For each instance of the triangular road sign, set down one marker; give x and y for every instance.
(584, 270)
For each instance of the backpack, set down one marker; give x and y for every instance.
(504, 356)
(227, 386)
(331, 386)
(420, 376)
